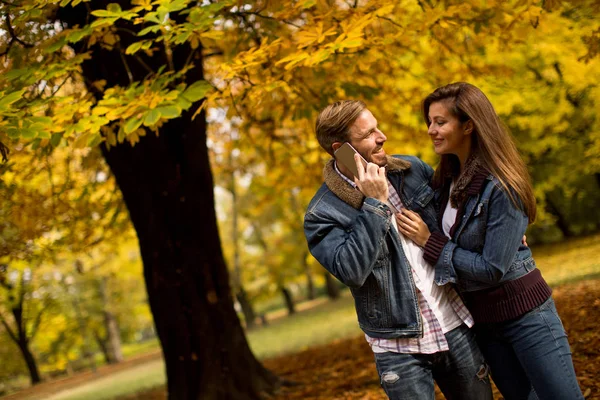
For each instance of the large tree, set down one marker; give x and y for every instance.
(168, 188)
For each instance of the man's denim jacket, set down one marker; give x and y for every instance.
(352, 238)
(485, 249)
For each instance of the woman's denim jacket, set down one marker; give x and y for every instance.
(485, 249)
(353, 239)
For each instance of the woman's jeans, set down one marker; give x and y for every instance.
(530, 356)
(461, 372)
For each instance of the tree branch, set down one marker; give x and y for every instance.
(38, 317)
(12, 33)
(258, 14)
(12, 335)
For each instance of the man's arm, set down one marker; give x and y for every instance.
(350, 253)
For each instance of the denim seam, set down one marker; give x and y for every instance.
(562, 360)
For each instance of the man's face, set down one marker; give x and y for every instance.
(367, 139)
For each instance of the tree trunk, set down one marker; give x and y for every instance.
(241, 294)
(167, 186)
(310, 285)
(333, 290)
(249, 314)
(34, 373)
(113, 335)
(289, 301)
(561, 220)
(103, 345)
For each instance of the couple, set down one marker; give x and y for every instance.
(459, 229)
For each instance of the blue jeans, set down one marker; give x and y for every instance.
(530, 356)
(461, 372)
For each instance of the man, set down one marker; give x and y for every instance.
(418, 331)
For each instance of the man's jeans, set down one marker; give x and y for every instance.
(529, 356)
(461, 372)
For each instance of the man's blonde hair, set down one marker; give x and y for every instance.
(334, 122)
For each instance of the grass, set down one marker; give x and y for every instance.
(320, 325)
(134, 349)
(560, 263)
(569, 261)
(136, 379)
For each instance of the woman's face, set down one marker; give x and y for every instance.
(449, 135)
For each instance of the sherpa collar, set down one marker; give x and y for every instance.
(345, 191)
(470, 182)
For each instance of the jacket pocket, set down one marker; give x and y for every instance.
(423, 196)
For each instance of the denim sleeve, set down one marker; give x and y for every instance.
(428, 171)
(504, 229)
(349, 253)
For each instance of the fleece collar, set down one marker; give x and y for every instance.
(345, 191)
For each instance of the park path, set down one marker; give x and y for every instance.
(47, 390)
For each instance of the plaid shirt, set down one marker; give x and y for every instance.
(433, 339)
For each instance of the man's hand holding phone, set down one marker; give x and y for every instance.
(372, 181)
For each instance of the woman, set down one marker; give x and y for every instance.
(485, 204)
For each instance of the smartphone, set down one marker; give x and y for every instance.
(345, 155)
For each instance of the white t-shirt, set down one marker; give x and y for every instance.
(449, 216)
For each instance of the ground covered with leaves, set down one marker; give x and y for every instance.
(346, 370)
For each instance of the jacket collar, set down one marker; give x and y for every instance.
(470, 182)
(345, 191)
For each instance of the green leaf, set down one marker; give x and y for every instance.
(36, 144)
(114, 7)
(197, 90)
(27, 133)
(132, 48)
(10, 98)
(152, 28)
(55, 139)
(152, 17)
(176, 5)
(152, 117)
(104, 21)
(56, 45)
(121, 134)
(183, 103)
(169, 111)
(132, 124)
(162, 13)
(95, 140)
(13, 133)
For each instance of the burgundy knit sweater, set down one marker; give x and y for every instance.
(500, 303)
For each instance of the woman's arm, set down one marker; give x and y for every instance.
(504, 230)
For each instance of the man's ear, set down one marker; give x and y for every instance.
(468, 127)
(336, 145)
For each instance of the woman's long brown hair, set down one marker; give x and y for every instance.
(490, 140)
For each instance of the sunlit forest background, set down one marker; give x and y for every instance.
(158, 157)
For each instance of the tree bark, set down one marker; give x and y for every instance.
(113, 334)
(167, 186)
(34, 373)
(310, 285)
(561, 220)
(289, 300)
(333, 290)
(247, 310)
(103, 345)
